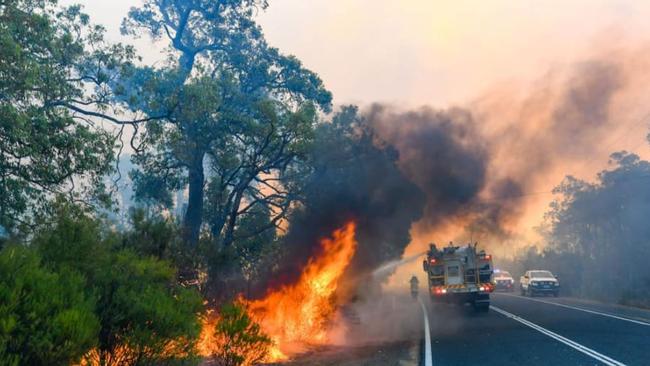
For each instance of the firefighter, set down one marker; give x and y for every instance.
(414, 287)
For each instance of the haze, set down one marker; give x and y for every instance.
(452, 53)
(428, 52)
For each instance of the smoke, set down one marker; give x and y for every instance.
(481, 172)
(445, 154)
(352, 178)
(440, 151)
(487, 169)
(559, 121)
(567, 123)
(387, 169)
(387, 317)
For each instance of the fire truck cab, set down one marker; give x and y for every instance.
(459, 275)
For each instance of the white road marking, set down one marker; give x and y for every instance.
(583, 309)
(428, 359)
(586, 350)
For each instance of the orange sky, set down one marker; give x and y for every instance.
(418, 52)
(441, 52)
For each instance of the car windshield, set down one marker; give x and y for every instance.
(503, 274)
(540, 274)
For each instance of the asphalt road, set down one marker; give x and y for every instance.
(516, 331)
(540, 331)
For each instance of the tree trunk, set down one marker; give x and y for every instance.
(194, 214)
(232, 218)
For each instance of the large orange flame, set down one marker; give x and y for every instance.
(298, 315)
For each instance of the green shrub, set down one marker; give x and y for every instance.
(73, 241)
(145, 316)
(240, 341)
(45, 317)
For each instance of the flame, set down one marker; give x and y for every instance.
(208, 340)
(301, 314)
(298, 315)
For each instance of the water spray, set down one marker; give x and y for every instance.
(387, 268)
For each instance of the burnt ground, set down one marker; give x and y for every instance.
(386, 330)
(403, 353)
(383, 331)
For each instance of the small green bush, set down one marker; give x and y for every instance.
(241, 340)
(45, 317)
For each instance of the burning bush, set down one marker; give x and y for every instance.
(236, 339)
(289, 318)
(300, 314)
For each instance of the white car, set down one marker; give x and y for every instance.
(503, 281)
(538, 282)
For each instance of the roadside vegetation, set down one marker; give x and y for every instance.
(226, 115)
(249, 134)
(237, 339)
(597, 235)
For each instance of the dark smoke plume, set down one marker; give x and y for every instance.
(476, 165)
(352, 178)
(446, 155)
(386, 170)
(473, 167)
(440, 151)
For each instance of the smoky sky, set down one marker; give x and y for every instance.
(388, 168)
(558, 121)
(469, 172)
(440, 151)
(353, 178)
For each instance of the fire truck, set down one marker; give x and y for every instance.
(459, 275)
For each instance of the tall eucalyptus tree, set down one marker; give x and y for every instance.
(233, 104)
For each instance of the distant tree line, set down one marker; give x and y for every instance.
(598, 235)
